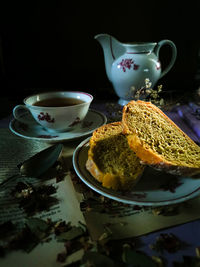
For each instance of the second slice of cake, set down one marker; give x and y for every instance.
(110, 159)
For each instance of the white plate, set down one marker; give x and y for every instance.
(93, 120)
(154, 188)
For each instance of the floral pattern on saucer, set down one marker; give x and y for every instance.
(93, 120)
(155, 188)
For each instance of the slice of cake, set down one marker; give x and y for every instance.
(110, 159)
(158, 141)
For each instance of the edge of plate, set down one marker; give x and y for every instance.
(191, 195)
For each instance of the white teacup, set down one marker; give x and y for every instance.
(55, 111)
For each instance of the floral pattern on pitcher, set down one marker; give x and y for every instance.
(128, 63)
(158, 65)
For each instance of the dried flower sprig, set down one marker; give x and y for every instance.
(34, 199)
(148, 94)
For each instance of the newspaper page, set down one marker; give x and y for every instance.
(119, 220)
(126, 222)
(14, 150)
(77, 203)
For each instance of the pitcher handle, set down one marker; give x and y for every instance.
(173, 57)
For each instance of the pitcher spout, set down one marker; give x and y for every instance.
(112, 49)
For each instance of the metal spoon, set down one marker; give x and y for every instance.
(37, 164)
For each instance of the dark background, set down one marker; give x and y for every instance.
(50, 44)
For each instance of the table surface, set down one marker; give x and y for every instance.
(188, 233)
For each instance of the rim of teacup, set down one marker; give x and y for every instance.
(55, 92)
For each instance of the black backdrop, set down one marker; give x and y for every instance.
(50, 44)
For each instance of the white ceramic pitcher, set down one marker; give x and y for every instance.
(128, 65)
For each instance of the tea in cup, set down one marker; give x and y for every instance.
(55, 111)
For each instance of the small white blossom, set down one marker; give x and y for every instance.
(132, 89)
(146, 93)
(148, 84)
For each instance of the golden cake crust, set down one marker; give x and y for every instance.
(144, 151)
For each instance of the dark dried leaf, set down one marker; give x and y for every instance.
(61, 257)
(37, 203)
(61, 227)
(33, 232)
(46, 190)
(6, 228)
(72, 246)
(73, 233)
(137, 259)
(96, 259)
(168, 242)
(35, 199)
(20, 186)
(74, 264)
(2, 252)
(188, 261)
(24, 240)
(39, 227)
(170, 210)
(171, 185)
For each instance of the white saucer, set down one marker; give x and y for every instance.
(34, 131)
(155, 188)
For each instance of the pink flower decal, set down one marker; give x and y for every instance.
(23, 126)
(45, 117)
(87, 124)
(128, 63)
(171, 185)
(135, 66)
(47, 136)
(139, 195)
(76, 121)
(158, 65)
